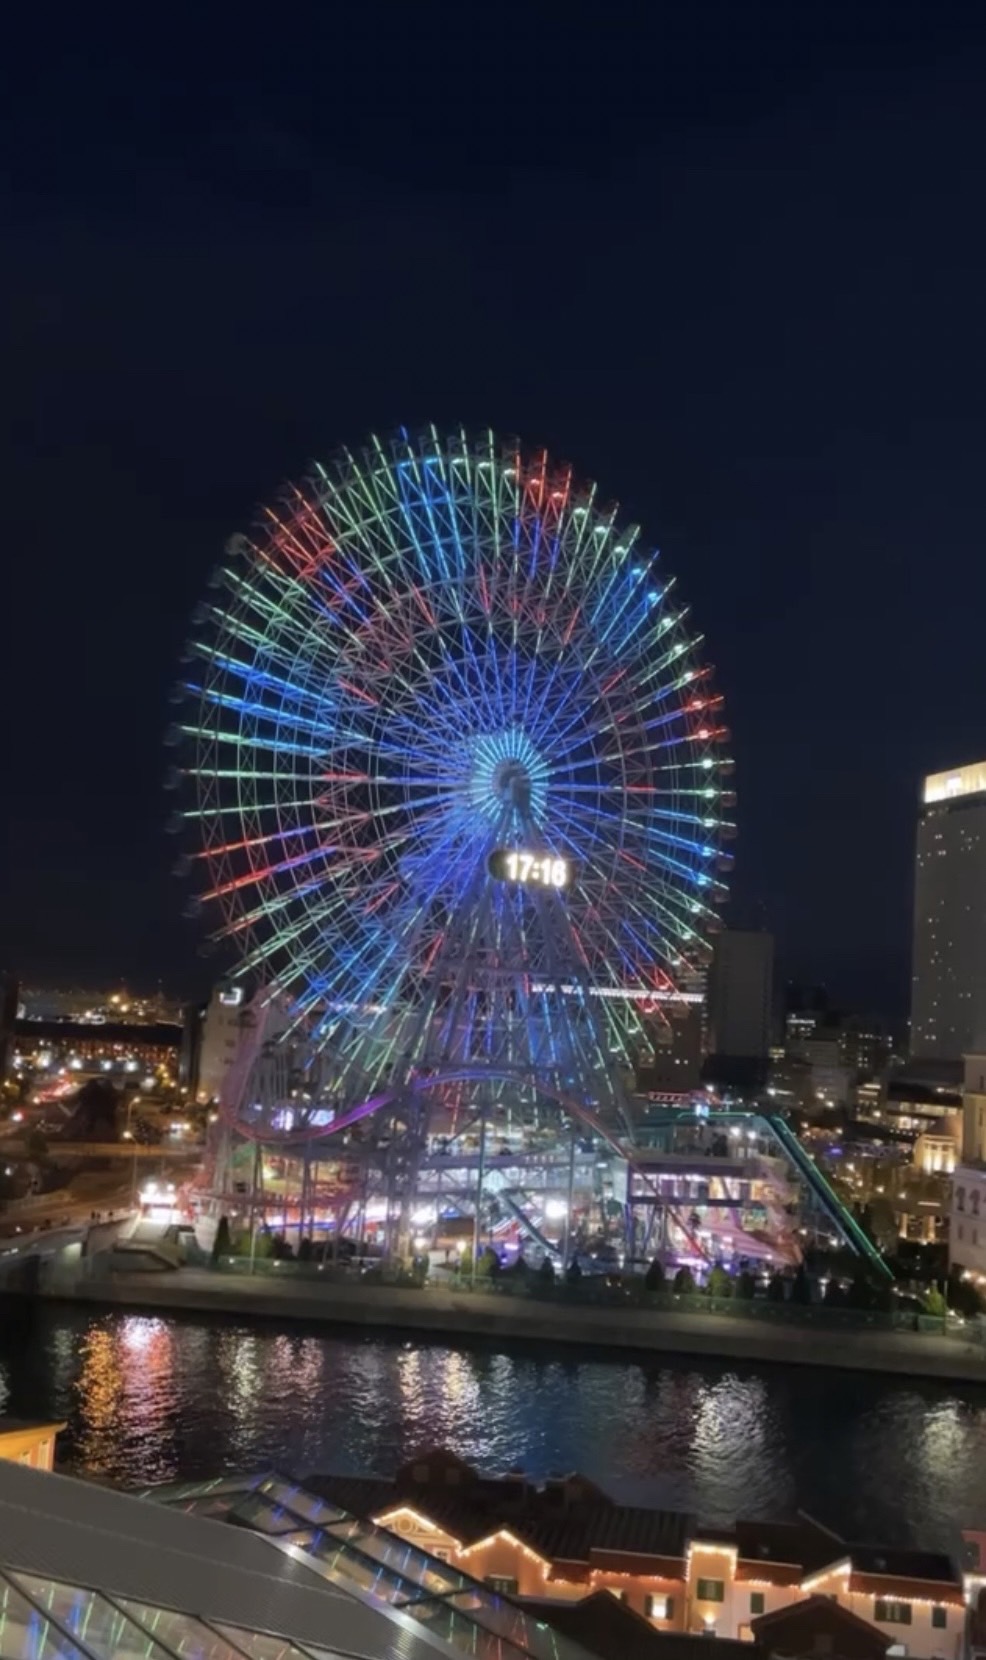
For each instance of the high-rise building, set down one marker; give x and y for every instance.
(741, 980)
(948, 986)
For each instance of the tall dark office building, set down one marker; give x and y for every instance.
(741, 979)
(948, 985)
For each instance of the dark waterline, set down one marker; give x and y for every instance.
(152, 1399)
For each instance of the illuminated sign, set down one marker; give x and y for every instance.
(947, 786)
(512, 864)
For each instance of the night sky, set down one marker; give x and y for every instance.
(732, 264)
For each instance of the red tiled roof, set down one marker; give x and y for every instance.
(607, 1627)
(612, 1529)
(821, 1613)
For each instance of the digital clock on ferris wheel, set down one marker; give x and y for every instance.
(541, 870)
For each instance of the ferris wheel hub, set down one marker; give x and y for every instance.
(508, 772)
(512, 783)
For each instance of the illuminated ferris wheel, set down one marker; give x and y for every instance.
(455, 774)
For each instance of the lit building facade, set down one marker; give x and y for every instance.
(864, 1048)
(935, 1154)
(948, 989)
(831, 1079)
(567, 1539)
(29, 1443)
(974, 1110)
(967, 1223)
(967, 1227)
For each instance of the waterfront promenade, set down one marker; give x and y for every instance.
(450, 1313)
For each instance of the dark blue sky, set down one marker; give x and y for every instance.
(730, 262)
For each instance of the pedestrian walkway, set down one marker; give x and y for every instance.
(438, 1310)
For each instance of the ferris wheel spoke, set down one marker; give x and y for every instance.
(583, 840)
(274, 611)
(232, 809)
(246, 844)
(278, 717)
(401, 939)
(660, 949)
(319, 572)
(651, 847)
(261, 679)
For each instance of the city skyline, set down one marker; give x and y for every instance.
(761, 361)
(493, 908)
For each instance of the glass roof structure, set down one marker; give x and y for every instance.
(89, 1573)
(42, 1619)
(362, 1557)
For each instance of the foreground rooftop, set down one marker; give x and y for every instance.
(91, 1574)
(87, 1573)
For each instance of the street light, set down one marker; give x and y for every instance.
(128, 1135)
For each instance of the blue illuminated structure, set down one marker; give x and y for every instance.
(429, 651)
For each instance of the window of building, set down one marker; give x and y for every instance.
(974, 1201)
(960, 1198)
(502, 1583)
(710, 1590)
(756, 1602)
(892, 1613)
(659, 1608)
(939, 1618)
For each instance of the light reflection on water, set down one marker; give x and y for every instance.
(151, 1399)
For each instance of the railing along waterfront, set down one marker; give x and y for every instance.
(594, 1291)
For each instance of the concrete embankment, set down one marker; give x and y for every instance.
(441, 1312)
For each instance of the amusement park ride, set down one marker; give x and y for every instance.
(453, 766)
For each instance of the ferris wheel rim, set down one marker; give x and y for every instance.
(281, 739)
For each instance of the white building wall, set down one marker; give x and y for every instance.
(220, 1036)
(974, 1109)
(921, 1639)
(967, 1225)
